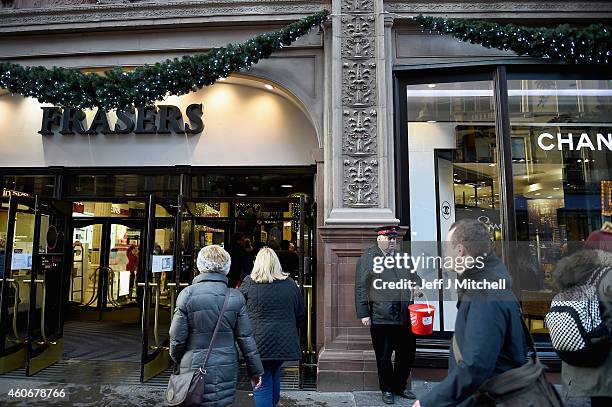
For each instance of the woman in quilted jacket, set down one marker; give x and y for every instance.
(276, 308)
(593, 382)
(195, 317)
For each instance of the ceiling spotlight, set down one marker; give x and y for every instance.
(241, 194)
(286, 186)
(269, 87)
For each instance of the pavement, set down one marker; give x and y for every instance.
(83, 395)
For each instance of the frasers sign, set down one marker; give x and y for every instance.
(160, 119)
(560, 141)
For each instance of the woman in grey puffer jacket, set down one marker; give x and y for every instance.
(195, 316)
(593, 382)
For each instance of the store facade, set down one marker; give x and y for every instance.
(376, 121)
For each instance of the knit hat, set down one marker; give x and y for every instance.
(213, 259)
(599, 239)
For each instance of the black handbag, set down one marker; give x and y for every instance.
(187, 389)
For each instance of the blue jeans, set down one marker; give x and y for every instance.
(268, 394)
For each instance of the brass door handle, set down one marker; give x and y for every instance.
(15, 310)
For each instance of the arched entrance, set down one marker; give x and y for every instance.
(135, 208)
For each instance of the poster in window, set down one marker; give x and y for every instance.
(606, 198)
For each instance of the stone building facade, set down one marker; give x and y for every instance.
(346, 77)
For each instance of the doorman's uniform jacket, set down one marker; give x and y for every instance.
(388, 306)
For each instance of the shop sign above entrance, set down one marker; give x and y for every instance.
(160, 119)
(599, 142)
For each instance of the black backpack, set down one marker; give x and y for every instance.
(577, 328)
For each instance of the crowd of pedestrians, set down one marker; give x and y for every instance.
(492, 354)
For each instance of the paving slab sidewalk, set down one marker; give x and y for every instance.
(103, 395)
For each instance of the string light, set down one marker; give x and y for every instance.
(534, 42)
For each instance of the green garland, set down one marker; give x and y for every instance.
(118, 89)
(590, 45)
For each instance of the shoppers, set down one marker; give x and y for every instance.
(289, 260)
(489, 331)
(386, 315)
(275, 306)
(594, 382)
(241, 260)
(195, 316)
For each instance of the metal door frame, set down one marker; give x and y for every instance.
(50, 350)
(13, 357)
(106, 223)
(307, 261)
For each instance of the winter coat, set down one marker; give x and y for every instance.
(489, 334)
(276, 310)
(195, 316)
(382, 306)
(576, 270)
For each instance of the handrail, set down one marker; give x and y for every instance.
(94, 294)
(43, 334)
(109, 293)
(45, 340)
(156, 320)
(156, 317)
(15, 310)
(309, 318)
(173, 296)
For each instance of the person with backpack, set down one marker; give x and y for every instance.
(585, 273)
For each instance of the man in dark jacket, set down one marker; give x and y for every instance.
(242, 263)
(488, 329)
(385, 311)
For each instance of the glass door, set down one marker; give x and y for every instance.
(158, 286)
(18, 219)
(450, 132)
(48, 283)
(105, 269)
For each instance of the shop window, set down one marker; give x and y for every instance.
(27, 185)
(257, 185)
(121, 185)
(453, 172)
(562, 175)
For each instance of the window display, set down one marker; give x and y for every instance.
(561, 162)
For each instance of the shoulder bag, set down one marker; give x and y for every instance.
(524, 386)
(187, 389)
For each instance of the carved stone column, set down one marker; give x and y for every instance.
(358, 153)
(359, 181)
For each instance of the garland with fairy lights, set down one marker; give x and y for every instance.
(118, 89)
(589, 45)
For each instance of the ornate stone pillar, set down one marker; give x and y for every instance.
(359, 177)
(361, 169)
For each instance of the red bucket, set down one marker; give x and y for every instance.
(422, 318)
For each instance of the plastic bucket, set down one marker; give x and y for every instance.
(422, 318)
